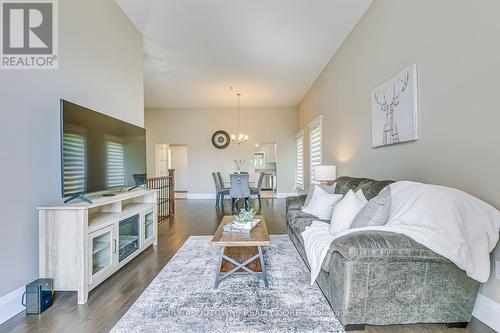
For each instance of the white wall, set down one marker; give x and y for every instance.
(194, 127)
(456, 44)
(100, 66)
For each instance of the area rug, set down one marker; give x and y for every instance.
(182, 297)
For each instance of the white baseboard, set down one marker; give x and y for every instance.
(284, 195)
(487, 311)
(197, 196)
(10, 304)
(181, 195)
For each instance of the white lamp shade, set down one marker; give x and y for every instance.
(325, 172)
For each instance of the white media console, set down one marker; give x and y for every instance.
(81, 244)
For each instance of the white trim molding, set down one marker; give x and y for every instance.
(285, 195)
(204, 196)
(11, 304)
(181, 195)
(198, 196)
(487, 312)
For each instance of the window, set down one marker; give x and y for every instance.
(259, 160)
(299, 172)
(315, 138)
(115, 164)
(73, 163)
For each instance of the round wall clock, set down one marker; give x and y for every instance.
(221, 139)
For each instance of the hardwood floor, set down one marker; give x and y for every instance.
(109, 301)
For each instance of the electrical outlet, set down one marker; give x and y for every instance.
(497, 269)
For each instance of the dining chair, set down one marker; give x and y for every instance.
(239, 189)
(219, 190)
(258, 190)
(221, 180)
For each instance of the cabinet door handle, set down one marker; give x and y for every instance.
(114, 245)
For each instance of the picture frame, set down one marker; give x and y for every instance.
(394, 107)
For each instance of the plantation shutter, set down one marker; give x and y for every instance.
(73, 163)
(299, 172)
(115, 164)
(315, 136)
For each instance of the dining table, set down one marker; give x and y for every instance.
(251, 183)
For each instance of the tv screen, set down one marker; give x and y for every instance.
(99, 152)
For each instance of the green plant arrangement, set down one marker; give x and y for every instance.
(246, 216)
(244, 222)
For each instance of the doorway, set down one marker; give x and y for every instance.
(265, 161)
(173, 156)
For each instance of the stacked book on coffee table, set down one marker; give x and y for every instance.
(241, 227)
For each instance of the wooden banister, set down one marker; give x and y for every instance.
(166, 194)
(171, 189)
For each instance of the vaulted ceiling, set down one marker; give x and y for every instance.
(269, 50)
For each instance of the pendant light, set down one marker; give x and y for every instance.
(241, 137)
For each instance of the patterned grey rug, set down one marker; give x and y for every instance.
(182, 298)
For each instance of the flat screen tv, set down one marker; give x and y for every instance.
(99, 152)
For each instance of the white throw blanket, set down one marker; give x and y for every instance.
(450, 222)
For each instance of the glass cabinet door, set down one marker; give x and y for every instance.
(149, 225)
(101, 246)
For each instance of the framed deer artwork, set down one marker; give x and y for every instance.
(394, 109)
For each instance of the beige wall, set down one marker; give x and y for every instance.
(100, 66)
(456, 44)
(194, 127)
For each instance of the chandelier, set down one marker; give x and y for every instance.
(241, 137)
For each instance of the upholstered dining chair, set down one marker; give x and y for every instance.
(258, 190)
(222, 181)
(239, 189)
(219, 190)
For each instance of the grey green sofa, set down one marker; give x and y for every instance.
(382, 278)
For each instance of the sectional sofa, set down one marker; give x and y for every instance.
(382, 278)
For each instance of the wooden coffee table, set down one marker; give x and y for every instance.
(239, 252)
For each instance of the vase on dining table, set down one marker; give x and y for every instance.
(239, 165)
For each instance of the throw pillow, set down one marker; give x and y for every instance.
(361, 196)
(322, 203)
(345, 211)
(376, 212)
(330, 189)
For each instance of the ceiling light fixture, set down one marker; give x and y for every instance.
(240, 137)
